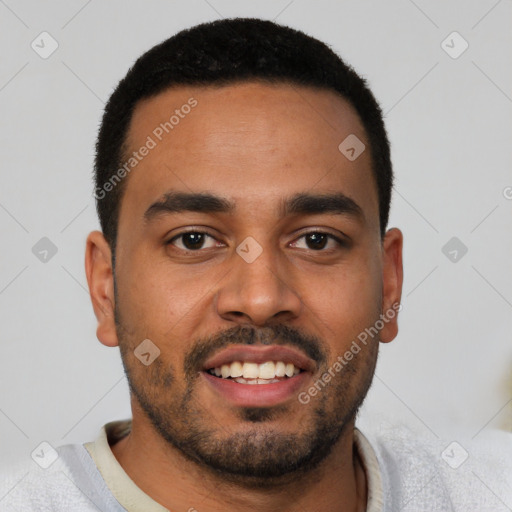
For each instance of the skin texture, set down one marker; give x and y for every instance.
(255, 145)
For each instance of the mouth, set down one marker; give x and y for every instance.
(256, 375)
(245, 372)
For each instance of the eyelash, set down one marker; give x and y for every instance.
(340, 242)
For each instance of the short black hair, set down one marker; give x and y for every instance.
(225, 52)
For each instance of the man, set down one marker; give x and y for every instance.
(245, 271)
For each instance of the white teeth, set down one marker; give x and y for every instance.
(264, 373)
(237, 369)
(280, 369)
(225, 371)
(251, 371)
(241, 380)
(267, 370)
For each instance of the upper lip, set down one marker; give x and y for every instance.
(260, 354)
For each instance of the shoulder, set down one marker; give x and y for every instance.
(423, 472)
(61, 480)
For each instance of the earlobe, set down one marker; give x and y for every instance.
(392, 280)
(98, 268)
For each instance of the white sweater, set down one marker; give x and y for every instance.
(404, 474)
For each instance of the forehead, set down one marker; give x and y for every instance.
(250, 142)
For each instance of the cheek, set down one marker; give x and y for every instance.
(350, 291)
(165, 307)
(349, 304)
(151, 294)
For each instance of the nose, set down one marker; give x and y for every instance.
(258, 292)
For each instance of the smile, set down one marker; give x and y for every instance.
(253, 373)
(257, 375)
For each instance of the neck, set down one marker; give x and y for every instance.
(164, 474)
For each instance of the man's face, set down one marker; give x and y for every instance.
(283, 263)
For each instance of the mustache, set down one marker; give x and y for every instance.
(279, 334)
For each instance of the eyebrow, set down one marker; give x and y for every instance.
(299, 204)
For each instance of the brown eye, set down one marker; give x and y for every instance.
(192, 241)
(317, 241)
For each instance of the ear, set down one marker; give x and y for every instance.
(98, 268)
(392, 279)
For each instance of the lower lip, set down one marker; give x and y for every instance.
(257, 395)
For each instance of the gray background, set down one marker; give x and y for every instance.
(448, 372)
